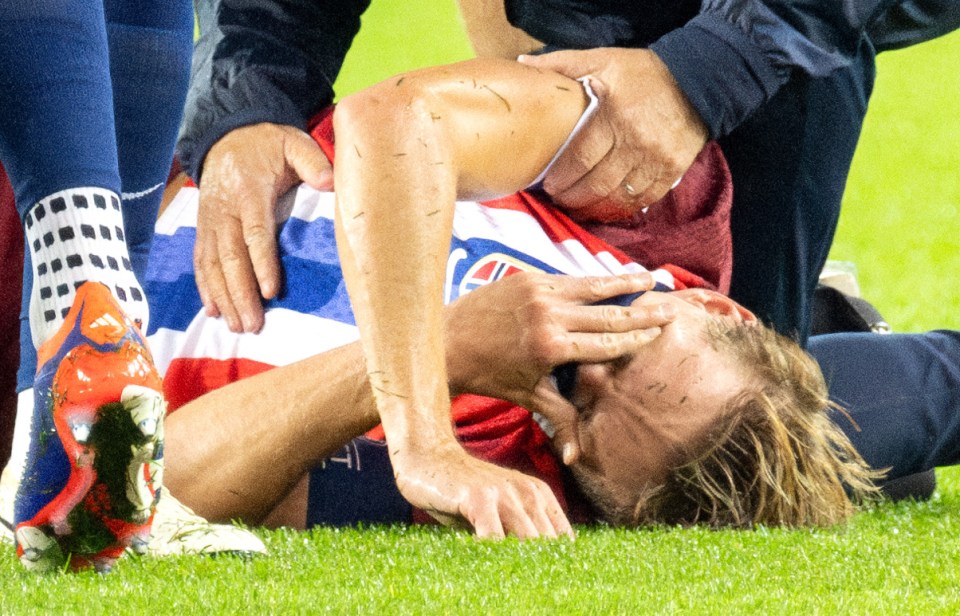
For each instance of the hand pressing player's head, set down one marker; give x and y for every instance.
(718, 420)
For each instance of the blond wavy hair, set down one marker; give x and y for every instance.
(774, 458)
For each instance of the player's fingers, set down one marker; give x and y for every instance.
(239, 280)
(613, 318)
(555, 515)
(516, 505)
(485, 518)
(592, 289)
(560, 521)
(539, 503)
(597, 347)
(562, 417)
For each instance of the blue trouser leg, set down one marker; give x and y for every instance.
(149, 45)
(789, 164)
(151, 42)
(54, 88)
(902, 391)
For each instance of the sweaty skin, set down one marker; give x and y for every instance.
(405, 150)
(221, 475)
(633, 428)
(646, 413)
(441, 134)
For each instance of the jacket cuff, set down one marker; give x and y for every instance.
(724, 75)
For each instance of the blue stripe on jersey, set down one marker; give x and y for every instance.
(171, 256)
(309, 260)
(327, 295)
(312, 240)
(173, 303)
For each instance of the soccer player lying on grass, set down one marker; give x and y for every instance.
(683, 409)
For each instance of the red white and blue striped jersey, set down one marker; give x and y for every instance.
(491, 240)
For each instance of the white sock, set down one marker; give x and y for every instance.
(76, 235)
(13, 471)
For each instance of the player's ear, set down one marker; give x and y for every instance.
(718, 304)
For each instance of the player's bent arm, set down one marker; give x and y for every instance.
(406, 149)
(235, 452)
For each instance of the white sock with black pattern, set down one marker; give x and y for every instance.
(76, 235)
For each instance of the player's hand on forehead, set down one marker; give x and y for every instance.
(505, 339)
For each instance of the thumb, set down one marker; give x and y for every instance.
(308, 161)
(561, 415)
(573, 64)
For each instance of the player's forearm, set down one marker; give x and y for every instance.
(406, 149)
(396, 189)
(236, 451)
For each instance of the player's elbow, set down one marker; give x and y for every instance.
(398, 110)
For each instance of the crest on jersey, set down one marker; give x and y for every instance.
(491, 268)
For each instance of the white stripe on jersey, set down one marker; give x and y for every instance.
(289, 335)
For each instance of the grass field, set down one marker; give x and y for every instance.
(899, 226)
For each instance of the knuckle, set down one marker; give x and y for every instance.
(547, 348)
(610, 316)
(610, 341)
(256, 233)
(527, 282)
(232, 259)
(596, 286)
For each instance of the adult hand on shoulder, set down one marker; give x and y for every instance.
(244, 174)
(458, 489)
(504, 339)
(643, 137)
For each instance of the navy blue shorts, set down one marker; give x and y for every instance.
(356, 486)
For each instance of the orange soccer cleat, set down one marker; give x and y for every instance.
(93, 470)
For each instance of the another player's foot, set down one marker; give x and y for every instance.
(178, 531)
(93, 469)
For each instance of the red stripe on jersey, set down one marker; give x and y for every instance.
(189, 378)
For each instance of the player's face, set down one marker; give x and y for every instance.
(644, 414)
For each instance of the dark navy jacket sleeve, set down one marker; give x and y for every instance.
(728, 56)
(734, 55)
(909, 23)
(262, 61)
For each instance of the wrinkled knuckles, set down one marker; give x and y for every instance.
(256, 233)
(611, 317)
(232, 259)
